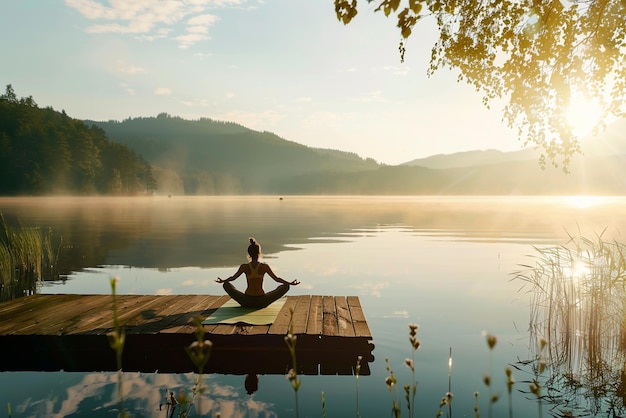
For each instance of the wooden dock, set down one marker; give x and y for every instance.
(69, 332)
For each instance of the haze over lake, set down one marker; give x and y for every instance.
(445, 263)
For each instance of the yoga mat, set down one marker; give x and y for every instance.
(232, 313)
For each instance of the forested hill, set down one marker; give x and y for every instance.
(43, 151)
(212, 157)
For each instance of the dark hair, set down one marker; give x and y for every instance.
(254, 249)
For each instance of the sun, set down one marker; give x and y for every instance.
(585, 201)
(583, 115)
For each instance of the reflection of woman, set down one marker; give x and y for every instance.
(255, 296)
(251, 383)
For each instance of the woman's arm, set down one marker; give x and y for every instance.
(269, 271)
(233, 277)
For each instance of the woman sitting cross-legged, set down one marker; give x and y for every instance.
(255, 296)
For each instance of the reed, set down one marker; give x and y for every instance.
(117, 338)
(578, 305)
(292, 375)
(199, 352)
(27, 255)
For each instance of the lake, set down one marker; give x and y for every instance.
(445, 263)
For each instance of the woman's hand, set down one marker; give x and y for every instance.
(220, 280)
(293, 283)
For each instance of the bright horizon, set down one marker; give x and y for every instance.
(287, 67)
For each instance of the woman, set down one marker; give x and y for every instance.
(255, 296)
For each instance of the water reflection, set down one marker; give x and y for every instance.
(146, 395)
(579, 309)
(208, 231)
(444, 263)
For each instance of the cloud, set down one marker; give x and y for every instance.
(122, 67)
(322, 118)
(194, 102)
(128, 89)
(152, 19)
(372, 97)
(203, 55)
(185, 41)
(162, 91)
(202, 20)
(304, 99)
(373, 289)
(390, 69)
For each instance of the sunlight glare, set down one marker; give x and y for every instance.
(577, 273)
(583, 115)
(583, 201)
(580, 270)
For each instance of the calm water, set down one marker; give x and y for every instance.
(443, 263)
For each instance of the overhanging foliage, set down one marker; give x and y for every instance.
(542, 57)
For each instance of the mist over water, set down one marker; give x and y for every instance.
(444, 263)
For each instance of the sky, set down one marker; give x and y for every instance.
(284, 66)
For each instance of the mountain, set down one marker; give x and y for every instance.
(610, 142)
(593, 176)
(43, 151)
(472, 158)
(211, 157)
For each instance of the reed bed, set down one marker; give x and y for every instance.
(27, 255)
(578, 305)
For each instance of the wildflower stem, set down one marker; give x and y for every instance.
(450, 381)
(357, 371)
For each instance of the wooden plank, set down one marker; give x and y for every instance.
(67, 314)
(54, 319)
(358, 317)
(25, 312)
(329, 317)
(344, 318)
(198, 307)
(32, 311)
(24, 304)
(169, 316)
(94, 321)
(209, 329)
(314, 323)
(280, 326)
(148, 314)
(225, 329)
(161, 310)
(70, 328)
(128, 306)
(301, 314)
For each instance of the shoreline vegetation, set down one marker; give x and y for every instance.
(27, 256)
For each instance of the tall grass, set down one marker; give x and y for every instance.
(579, 306)
(26, 256)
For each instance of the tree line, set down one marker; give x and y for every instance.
(43, 151)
